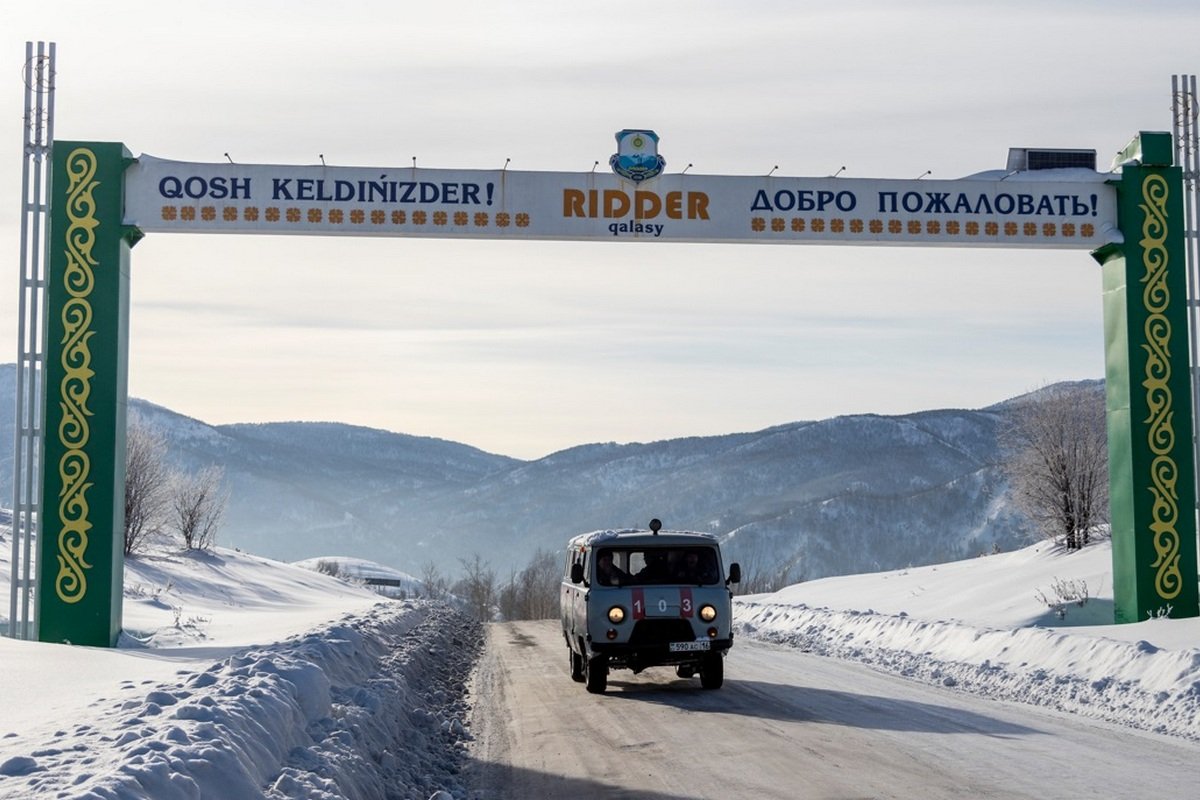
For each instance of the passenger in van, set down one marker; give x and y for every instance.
(656, 569)
(696, 569)
(608, 573)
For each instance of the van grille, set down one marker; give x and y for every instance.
(659, 631)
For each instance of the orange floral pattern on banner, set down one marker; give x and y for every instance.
(356, 216)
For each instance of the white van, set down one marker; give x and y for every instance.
(633, 599)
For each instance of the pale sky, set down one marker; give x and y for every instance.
(525, 348)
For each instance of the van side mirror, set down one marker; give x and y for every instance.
(735, 573)
(577, 573)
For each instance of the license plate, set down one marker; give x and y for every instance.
(687, 647)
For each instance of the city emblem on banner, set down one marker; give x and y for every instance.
(637, 157)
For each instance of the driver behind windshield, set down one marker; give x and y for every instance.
(656, 570)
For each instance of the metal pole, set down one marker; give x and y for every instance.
(1187, 156)
(15, 563)
(31, 332)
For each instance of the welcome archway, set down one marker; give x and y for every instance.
(104, 200)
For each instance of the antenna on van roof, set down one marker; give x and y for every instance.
(655, 526)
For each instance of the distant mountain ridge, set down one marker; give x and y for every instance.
(836, 496)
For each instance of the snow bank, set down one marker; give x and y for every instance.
(371, 706)
(1144, 675)
(1135, 684)
(240, 677)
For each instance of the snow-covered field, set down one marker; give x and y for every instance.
(242, 678)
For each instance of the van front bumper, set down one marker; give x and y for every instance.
(654, 654)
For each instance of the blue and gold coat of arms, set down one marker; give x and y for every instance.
(637, 157)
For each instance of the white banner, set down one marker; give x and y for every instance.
(1073, 209)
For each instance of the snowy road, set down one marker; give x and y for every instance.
(786, 725)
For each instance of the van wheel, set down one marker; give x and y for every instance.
(597, 674)
(576, 666)
(712, 674)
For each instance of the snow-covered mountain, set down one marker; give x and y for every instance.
(844, 495)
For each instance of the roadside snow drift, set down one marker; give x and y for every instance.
(369, 703)
(371, 706)
(984, 626)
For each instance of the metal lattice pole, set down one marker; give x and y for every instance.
(1187, 155)
(31, 332)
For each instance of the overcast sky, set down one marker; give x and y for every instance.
(525, 348)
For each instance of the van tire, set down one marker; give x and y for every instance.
(712, 674)
(577, 670)
(597, 674)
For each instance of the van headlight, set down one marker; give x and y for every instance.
(708, 613)
(616, 615)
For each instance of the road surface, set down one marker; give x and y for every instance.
(786, 725)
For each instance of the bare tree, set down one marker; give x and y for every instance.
(434, 581)
(532, 593)
(508, 598)
(1056, 458)
(146, 483)
(761, 576)
(197, 506)
(541, 582)
(477, 587)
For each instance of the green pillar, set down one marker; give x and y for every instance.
(81, 544)
(1149, 401)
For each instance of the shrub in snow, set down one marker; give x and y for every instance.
(1062, 594)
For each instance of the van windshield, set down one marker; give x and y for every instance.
(631, 566)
